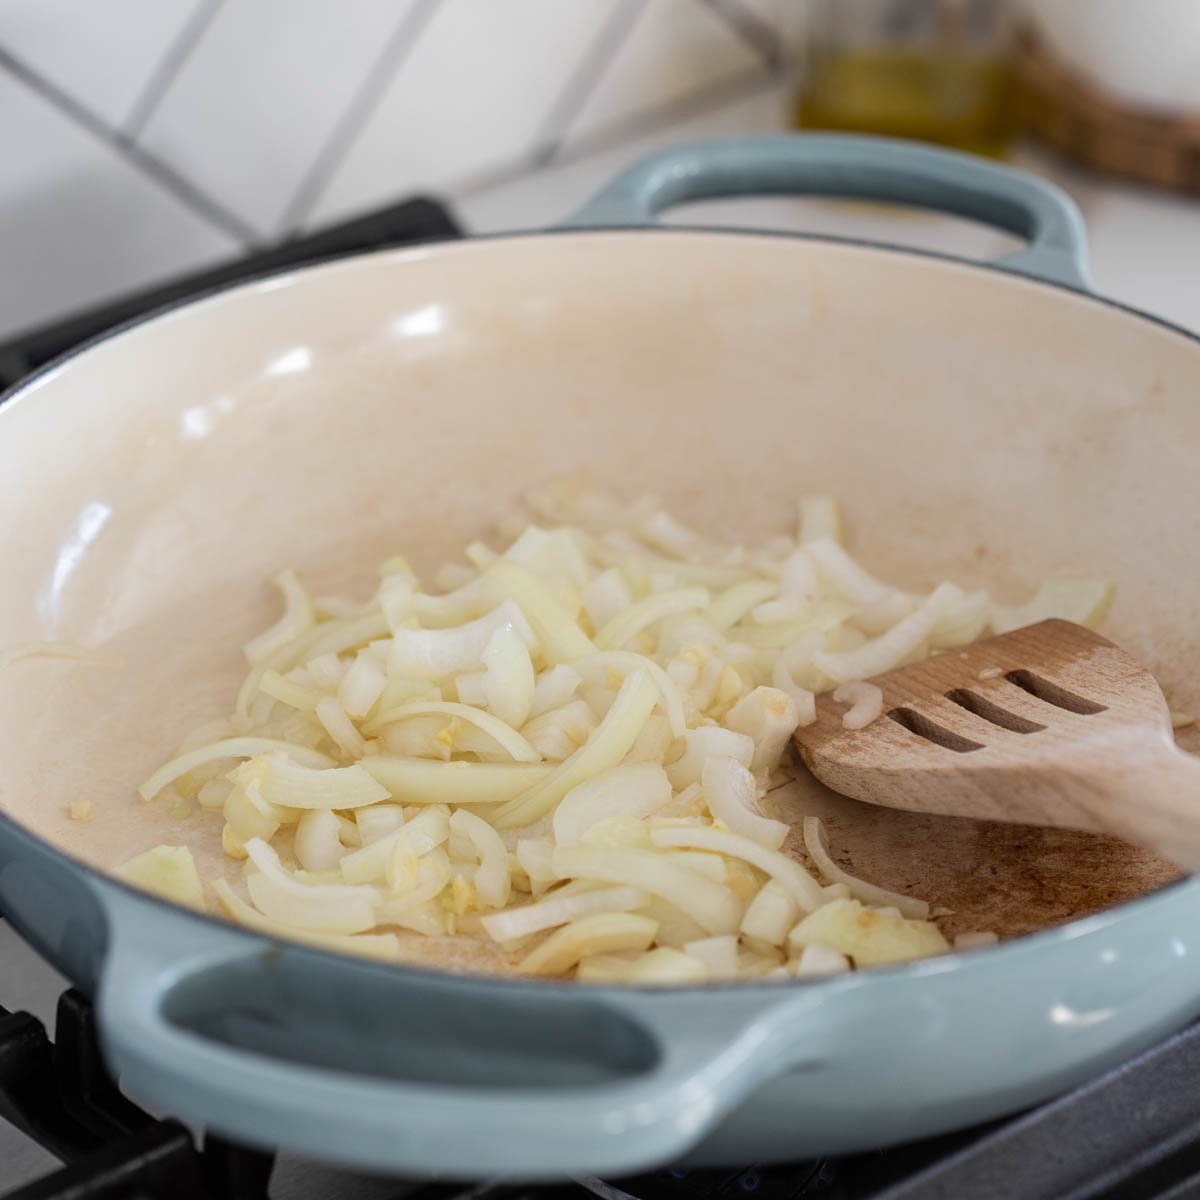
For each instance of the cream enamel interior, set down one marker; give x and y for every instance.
(976, 427)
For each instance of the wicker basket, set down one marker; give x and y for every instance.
(1077, 118)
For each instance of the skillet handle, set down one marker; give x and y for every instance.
(414, 1072)
(868, 168)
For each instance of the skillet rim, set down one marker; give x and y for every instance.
(284, 276)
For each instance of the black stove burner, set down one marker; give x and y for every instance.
(1132, 1134)
(411, 222)
(62, 1096)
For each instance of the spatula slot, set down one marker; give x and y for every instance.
(1052, 693)
(982, 707)
(931, 731)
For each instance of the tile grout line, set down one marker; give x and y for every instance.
(740, 87)
(584, 81)
(338, 144)
(755, 32)
(181, 189)
(174, 59)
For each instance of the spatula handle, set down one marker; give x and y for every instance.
(1150, 798)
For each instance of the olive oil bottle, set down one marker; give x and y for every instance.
(933, 70)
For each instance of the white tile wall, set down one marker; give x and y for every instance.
(261, 93)
(77, 221)
(477, 94)
(144, 136)
(103, 53)
(675, 50)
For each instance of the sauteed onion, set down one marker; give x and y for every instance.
(569, 750)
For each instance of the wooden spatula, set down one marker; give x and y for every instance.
(1048, 725)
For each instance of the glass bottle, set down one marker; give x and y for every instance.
(933, 70)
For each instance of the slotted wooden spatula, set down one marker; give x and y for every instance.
(1048, 725)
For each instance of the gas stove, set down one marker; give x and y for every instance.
(67, 1130)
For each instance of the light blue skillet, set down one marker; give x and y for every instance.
(417, 1071)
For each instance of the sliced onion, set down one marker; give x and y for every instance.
(798, 578)
(430, 653)
(558, 909)
(816, 961)
(628, 624)
(298, 617)
(557, 734)
(507, 738)
(249, 815)
(800, 885)
(874, 619)
(669, 535)
(246, 747)
(456, 607)
(287, 691)
(336, 637)
(286, 782)
(605, 596)
(730, 793)
(602, 933)
(328, 908)
(383, 946)
(844, 575)
(865, 700)
(654, 742)
(428, 918)
(769, 717)
(361, 686)
(492, 881)
(317, 841)
(413, 879)
(168, 871)
(377, 821)
(508, 680)
(665, 966)
(624, 662)
(634, 790)
(894, 647)
(702, 744)
(771, 915)
(554, 688)
(736, 601)
(469, 686)
(340, 728)
(964, 622)
(817, 845)
(718, 956)
(422, 781)
(536, 859)
(426, 831)
(606, 746)
(712, 905)
(550, 552)
(558, 635)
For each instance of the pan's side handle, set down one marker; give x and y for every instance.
(857, 167)
(417, 1072)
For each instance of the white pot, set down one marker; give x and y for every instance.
(1147, 54)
